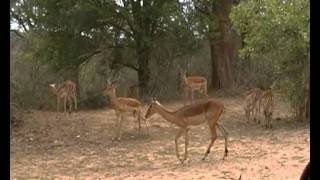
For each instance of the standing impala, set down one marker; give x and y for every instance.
(206, 111)
(66, 92)
(123, 105)
(193, 83)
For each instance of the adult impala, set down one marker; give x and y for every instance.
(267, 106)
(256, 100)
(123, 106)
(193, 83)
(205, 111)
(66, 92)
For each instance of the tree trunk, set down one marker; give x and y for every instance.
(214, 66)
(143, 72)
(222, 45)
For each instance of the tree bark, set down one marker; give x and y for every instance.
(143, 72)
(222, 45)
(214, 65)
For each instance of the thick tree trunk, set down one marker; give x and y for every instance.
(143, 72)
(222, 45)
(214, 66)
(304, 106)
(308, 106)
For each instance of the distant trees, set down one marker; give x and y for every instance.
(278, 32)
(64, 35)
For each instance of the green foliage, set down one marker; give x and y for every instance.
(277, 31)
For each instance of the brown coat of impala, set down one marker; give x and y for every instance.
(256, 100)
(193, 83)
(122, 106)
(66, 92)
(205, 111)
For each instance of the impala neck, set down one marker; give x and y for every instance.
(166, 114)
(113, 97)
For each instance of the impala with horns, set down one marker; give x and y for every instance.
(123, 106)
(205, 111)
(66, 92)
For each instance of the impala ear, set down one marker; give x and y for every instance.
(114, 82)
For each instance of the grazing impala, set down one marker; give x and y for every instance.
(267, 105)
(251, 104)
(122, 106)
(256, 100)
(205, 111)
(66, 92)
(191, 84)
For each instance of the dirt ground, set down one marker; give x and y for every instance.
(80, 147)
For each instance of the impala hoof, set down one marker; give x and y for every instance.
(115, 139)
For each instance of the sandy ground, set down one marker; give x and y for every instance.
(80, 147)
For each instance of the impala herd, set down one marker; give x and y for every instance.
(207, 110)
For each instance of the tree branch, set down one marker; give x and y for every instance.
(126, 65)
(204, 12)
(17, 33)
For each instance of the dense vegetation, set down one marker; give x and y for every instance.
(245, 43)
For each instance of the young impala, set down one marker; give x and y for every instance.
(205, 111)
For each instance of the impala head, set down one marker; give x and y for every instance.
(112, 83)
(152, 108)
(53, 88)
(111, 88)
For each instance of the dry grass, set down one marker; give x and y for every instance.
(80, 147)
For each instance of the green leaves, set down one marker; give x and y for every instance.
(278, 31)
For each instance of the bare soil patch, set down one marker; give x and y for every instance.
(80, 147)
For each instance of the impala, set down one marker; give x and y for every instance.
(66, 92)
(122, 106)
(205, 111)
(256, 100)
(193, 83)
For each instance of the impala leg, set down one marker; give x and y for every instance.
(70, 104)
(213, 138)
(58, 102)
(116, 124)
(75, 102)
(225, 135)
(205, 91)
(258, 113)
(179, 134)
(65, 104)
(120, 127)
(145, 120)
(138, 118)
(186, 137)
(268, 120)
(247, 112)
(250, 112)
